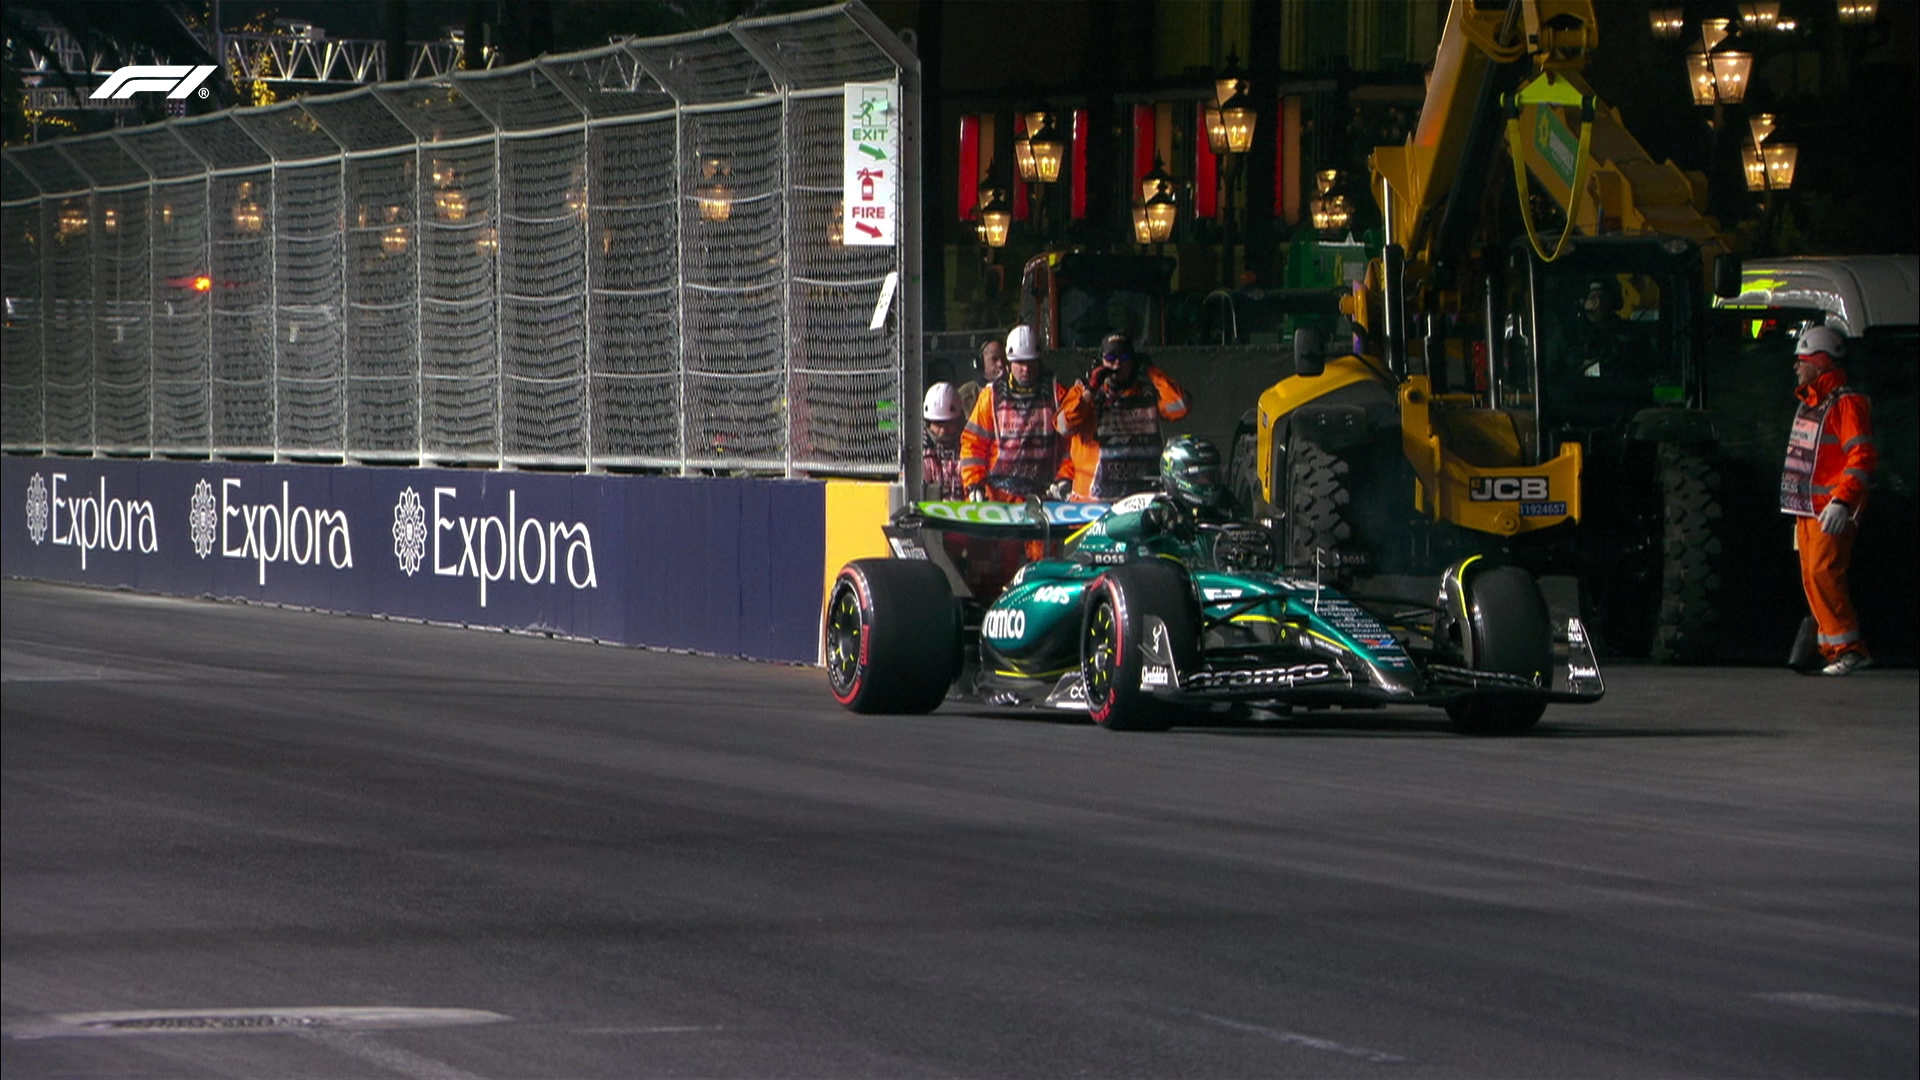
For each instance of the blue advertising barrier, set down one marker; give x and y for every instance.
(716, 565)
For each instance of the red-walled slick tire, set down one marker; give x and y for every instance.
(892, 636)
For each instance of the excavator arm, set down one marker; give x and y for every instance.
(1431, 188)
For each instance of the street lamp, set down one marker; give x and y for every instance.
(247, 215)
(1034, 123)
(1230, 81)
(1230, 119)
(1760, 16)
(996, 218)
(1331, 212)
(1717, 78)
(1023, 160)
(1049, 150)
(1730, 71)
(1038, 154)
(1154, 180)
(1857, 12)
(1153, 219)
(1237, 119)
(1668, 23)
(1783, 159)
(1769, 167)
(714, 196)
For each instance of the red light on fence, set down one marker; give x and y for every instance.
(202, 283)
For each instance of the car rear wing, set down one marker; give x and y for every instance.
(1006, 521)
(914, 532)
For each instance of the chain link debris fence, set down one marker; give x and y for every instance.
(622, 259)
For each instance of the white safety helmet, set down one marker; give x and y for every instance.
(943, 402)
(1822, 339)
(1021, 345)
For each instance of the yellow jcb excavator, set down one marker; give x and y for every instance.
(1525, 378)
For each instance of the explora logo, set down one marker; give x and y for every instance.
(177, 81)
(518, 549)
(93, 521)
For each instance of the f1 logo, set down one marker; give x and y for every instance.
(176, 80)
(1507, 488)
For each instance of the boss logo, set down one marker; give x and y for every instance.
(1508, 488)
(1054, 594)
(1005, 624)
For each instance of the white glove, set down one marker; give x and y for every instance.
(976, 494)
(1835, 518)
(1060, 490)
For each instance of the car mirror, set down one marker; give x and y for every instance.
(1308, 358)
(1726, 276)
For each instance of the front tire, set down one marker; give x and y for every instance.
(1113, 632)
(1508, 632)
(891, 636)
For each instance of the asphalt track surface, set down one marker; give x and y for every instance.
(245, 842)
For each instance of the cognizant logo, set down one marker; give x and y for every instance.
(177, 81)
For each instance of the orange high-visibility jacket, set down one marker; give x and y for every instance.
(1830, 453)
(1010, 444)
(1113, 438)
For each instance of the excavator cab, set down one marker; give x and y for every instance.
(1593, 341)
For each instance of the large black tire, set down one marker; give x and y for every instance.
(1688, 626)
(1243, 477)
(1512, 634)
(1112, 632)
(1320, 510)
(892, 636)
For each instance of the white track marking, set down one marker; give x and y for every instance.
(293, 1020)
(1829, 1003)
(1309, 1042)
(367, 1048)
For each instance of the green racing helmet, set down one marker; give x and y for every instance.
(1190, 472)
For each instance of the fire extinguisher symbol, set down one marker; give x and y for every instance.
(867, 177)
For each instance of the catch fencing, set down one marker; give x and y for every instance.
(628, 258)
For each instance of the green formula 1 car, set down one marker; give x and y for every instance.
(1158, 606)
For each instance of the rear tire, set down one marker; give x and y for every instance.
(1688, 627)
(1112, 632)
(1512, 635)
(891, 636)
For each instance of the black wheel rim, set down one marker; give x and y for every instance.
(843, 638)
(1099, 652)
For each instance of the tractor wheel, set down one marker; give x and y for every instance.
(1243, 477)
(1319, 502)
(1113, 633)
(1691, 548)
(892, 636)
